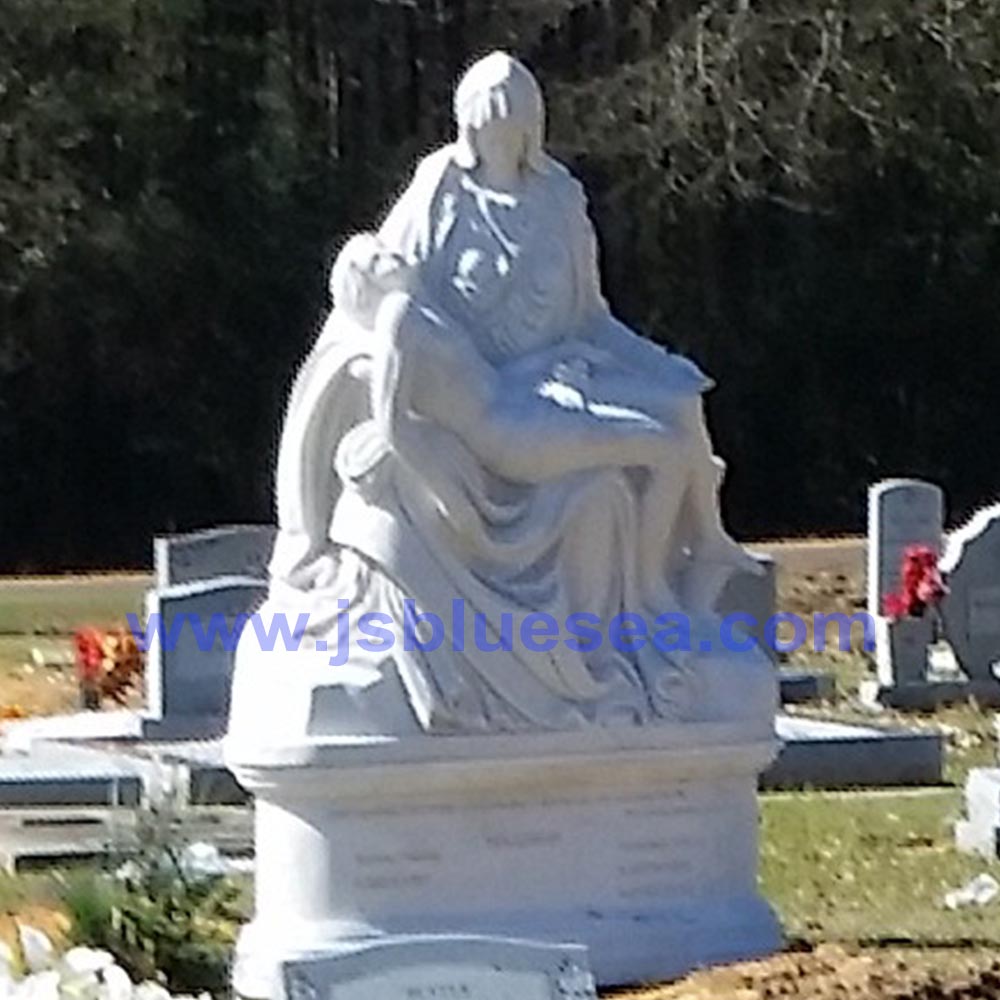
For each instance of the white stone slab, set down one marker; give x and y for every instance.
(982, 795)
(979, 831)
(444, 968)
(67, 775)
(117, 724)
(37, 836)
(41, 835)
(814, 753)
(21, 735)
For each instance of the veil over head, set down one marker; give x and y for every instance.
(499, 86)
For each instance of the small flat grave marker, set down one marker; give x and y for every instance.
(444, 968)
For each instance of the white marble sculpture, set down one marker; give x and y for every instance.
(475, 433)
(474, 424)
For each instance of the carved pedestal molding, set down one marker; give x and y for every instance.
(640, 844)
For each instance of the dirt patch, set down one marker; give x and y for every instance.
(38, 690)
(832, 972)
(825, 576)
(845, 554)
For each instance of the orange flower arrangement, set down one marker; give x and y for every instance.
(108, 664)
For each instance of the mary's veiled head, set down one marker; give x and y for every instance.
(499, 88)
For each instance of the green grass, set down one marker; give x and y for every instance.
(15, 650)
(27, 889)
(52, 605)
(871, 868)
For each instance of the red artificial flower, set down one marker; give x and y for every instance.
(108, 664)
(921, 584)
(88, 643)
(895, 607)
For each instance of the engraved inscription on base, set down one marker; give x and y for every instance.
(442, 982)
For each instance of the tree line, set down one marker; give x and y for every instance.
(802, 194)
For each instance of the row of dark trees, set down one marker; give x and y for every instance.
(803, 194)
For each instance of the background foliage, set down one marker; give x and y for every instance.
(803, 194)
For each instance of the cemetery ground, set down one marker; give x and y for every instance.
(38, 615)
(858, 878)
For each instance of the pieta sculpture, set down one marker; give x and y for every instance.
(500, 707)
(475, 436)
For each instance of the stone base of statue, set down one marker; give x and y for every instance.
(640, 843)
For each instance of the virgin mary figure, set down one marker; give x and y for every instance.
(431, 531)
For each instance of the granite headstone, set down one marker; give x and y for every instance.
(901, 512)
